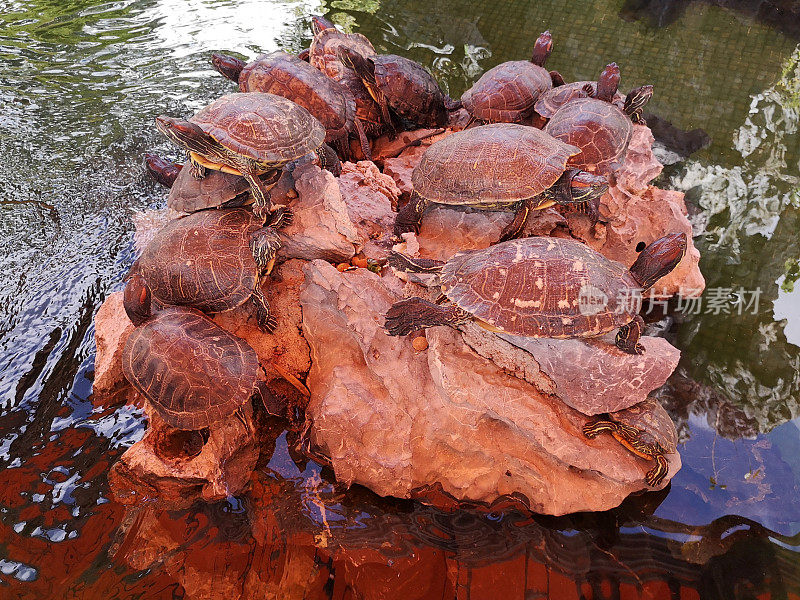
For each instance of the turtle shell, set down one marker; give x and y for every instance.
(541, 287)
(285, 75)
(490, 165)
(323, 55)
(508, 92)
(192, 371)
(552, 100)
(600, 129)
(410, 90)
(203, 260)
(263, 127)
(189, 194)
(652, 420)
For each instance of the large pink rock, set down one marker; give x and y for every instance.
(370, 197)
(400, 421)
(111, 330)
(177, 467)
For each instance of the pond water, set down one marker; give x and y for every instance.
(80, 84)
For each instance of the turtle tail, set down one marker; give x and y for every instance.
(229, 66)
(401, 262)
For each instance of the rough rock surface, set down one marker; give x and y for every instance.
(370, 196)
(111, 330)
(163, 465)
(590, 375)
(398, 420)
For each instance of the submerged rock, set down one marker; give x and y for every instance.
(401, 421)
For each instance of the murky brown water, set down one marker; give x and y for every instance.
(80, 83)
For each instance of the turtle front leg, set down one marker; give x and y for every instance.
(262, 203)
(329, 160)
(415, 313)
(266, 322)
(629, 335)
(265, 243)
(363, 140)
(197, 170)
(514, 229)
(409, 218)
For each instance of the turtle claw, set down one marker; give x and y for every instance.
(266, 322)
(281, 217)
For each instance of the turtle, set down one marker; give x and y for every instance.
(645, 429)
(192, 371)
(600, 129)
(246, 134)
(213, 260)
(538, 287)
(507, 93)
(501, 165)
(162, 170)
(216, 190)
(288, 76)
(324, 55)
(403, 85)
(552, 100)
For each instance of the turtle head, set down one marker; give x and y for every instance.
(637, 98)
(320, 24)
(184, 133)
(608, 83)
(229, 66)
(586, 187)
(542, 49)
(659, 259)
(163, 171)
(136, 300)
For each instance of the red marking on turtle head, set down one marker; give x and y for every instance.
(320, 24)
(587, 186)
(136, 300)
(228, 66)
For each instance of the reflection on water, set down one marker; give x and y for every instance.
(80, 82)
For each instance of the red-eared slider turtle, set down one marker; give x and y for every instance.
(288, 76)
(162, 170)
(645, 429)
(601, 130)
(192, 371)
(604, 88)
(502, 165)
(246, 134)
(213, 261)
(539, 287)
(403, 85)
(508, 92)
(324, 55)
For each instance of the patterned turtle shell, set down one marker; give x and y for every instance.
(490, 165)
(285, 75)
(552, 100)
(189, 194)
(653, 422)
(264, 127)
(541, 287)
(203, 260)
(410, 90)
(508, 92)
(324, 55)
(600, 129)
(192, 371)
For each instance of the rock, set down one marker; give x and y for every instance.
(111, 330)
(166, 465)
(592, 376)
(321, 227)
(399, 421)
(370, 197)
